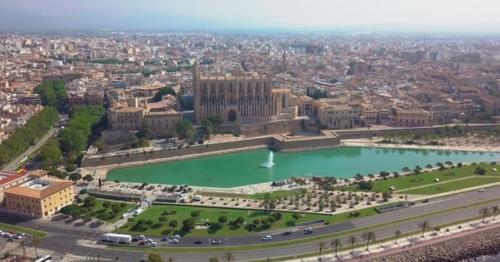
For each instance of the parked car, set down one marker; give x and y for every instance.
(197, 242)
(142, 243)
(286, 233)
(165, 238)
(308, 230)
(482, 189)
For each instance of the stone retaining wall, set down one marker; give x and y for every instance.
(272, 142)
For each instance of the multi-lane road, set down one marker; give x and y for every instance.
(64, 239)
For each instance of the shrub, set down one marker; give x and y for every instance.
(195, 213)
(166, 232)
(156, 226)
(215, 226)
(270, 220)
(365, 185)
(223, 219)
(173, 223)
(290, 223)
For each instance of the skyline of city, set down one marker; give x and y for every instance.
(223, 15)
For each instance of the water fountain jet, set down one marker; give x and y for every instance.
(269, 163)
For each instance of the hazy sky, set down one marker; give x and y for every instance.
(399, 15)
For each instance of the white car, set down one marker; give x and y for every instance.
(267, 238)
(173, 241)
(482, 190)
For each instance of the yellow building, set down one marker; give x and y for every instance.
(40, 197)
(335, 114)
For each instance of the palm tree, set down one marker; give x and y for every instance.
(425, 226)
(398, 235)
(321, 247)
(228, 257)
(368, 237)
(495, 210)
(35, 242)
(484, 212)
(352, 240)
(336, 244)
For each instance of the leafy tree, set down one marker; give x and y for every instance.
(213, 259)
(480, 171)
(27, 135)
(53, 93)
(88, 178)
(85, 124)
(145, 131)
(50, 154)
(73, 139)
(206, 127)
(163, 92)
(223, 219)
(184, 129)
(75, 176)
(153, 257)
(228, 257)
(365, 185)
(216, 121)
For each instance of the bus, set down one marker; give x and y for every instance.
(46, 258)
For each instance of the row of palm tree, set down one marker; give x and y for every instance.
(486, 211)
(336, 244)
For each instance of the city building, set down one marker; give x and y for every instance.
(410, 117)
(39, 197)
(333, 114)
(160, 116)
(8, 180)
(242, 100)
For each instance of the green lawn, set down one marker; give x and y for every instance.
(33, 232)
(99, 209)
(105, 210)
(452, 185)
(405, 182)
(208, 214)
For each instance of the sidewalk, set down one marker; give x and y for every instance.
(404, 244)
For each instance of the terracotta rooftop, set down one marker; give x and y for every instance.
(7, 178)
(53, 186)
